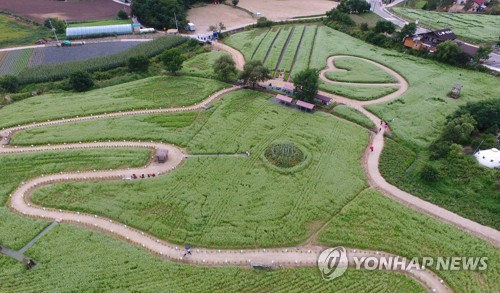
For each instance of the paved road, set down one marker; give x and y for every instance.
(381, 10)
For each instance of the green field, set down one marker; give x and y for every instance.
(17, 33)
(255, 47)
(251, 204)
(358, 71)
(202, 65)
(474, 27)
(73, 259)
(374, 221)
(100, 22)
(249, 41)
(152, 93)
(274, 55)
(290, 50)
(353, 115)
(357, 92)
(16, 231)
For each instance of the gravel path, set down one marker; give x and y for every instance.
(19, 200)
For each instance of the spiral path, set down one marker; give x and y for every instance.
(307, 255)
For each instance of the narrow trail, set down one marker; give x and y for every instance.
(306, 255)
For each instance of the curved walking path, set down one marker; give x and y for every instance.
(20, 202)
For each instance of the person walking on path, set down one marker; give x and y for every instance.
(371, 148)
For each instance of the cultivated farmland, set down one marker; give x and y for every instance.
(279, 48)
(356, 70)
(14, 32)
(155, 92)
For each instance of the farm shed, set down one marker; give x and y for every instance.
(305, 106)
(120, 29)
(489, 158)
(284, 99)
(161, 155)
(323, 100)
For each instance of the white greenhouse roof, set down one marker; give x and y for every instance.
(489, 158)
(119, 29)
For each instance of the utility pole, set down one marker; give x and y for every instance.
(176, 25)
(53, 30)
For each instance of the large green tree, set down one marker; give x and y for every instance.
(353, 6)
(253, 72)
(459, 129)
(224, 68)
(306, 85)
(173, 60)
(160, 14)
(9, 83)
(448, 52)
(384, 26)
(408, 30)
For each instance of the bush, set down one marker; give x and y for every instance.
(122, 14)
(173, 59)
(364, 26)
(384, 26)
(429, 173)
(138, 63)
(353, 6)
(263, 22)
(59, 25)
(81, 81)
(9, 83)
(235, 2)
(224, 68)
(339, 16)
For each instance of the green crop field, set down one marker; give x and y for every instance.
(155, 92)
(274, 55)
(353, 115)
(16, 33)
(374, 221)
(305, 49)
(291, 49)
(202, 65)
(16, 231)
(73, 259)
(469, 26)
(178, 128)
(248, 42)
(357, 92)
(263, 45)
(358, 71)
(260, 207)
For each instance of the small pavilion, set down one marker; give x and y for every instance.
(305, 106)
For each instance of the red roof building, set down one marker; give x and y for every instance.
(304, 105)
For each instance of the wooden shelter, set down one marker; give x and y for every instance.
(284, 99)
(455, 90)
(161, 155)
(305, 106)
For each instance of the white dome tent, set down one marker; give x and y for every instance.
(489, 158)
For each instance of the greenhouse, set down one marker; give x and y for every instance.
(77, 32)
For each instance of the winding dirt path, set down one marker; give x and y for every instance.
(306, 255)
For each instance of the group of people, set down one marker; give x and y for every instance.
(143, 176)
(382, 124)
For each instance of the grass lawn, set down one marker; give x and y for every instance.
(251, 204)
(353, 115)
(357, 92)
(74, 259)
(202, 65)
(473, 27)
(358, 71)
(16, 231)
(374, 221)
(152, 93)
(17, 33)
(100, 22)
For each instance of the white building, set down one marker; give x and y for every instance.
(489, 158)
